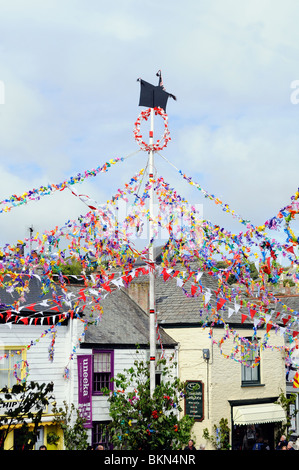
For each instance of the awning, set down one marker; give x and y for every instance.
(258, 414)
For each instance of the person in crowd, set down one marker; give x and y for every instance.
(249, 438)
(100, 447)
(258, 445)
(282, 443)
(190, 446)
(266, 445)
(290, 445)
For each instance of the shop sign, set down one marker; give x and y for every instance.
(85, 388)
(194, 399)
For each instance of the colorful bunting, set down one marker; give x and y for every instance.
(101, 242)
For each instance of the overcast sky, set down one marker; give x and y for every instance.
(69, 73)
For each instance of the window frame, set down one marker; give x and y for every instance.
(10, 369)
(159, 369)
(111, 373)
(251, 382)
(100, 429)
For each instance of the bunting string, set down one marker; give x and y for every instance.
(45, 190)
(103, 243)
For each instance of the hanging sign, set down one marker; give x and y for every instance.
(194, 400)
(85, 388)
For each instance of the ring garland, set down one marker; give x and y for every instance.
(160, 144)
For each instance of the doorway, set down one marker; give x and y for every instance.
(245, 436)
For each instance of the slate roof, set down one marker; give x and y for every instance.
(173, 306)
(123, 322)
(36, 302)
(176, 307)
(33, 295)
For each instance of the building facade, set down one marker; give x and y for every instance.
(218, 351)
(236, 364)
(111, 345)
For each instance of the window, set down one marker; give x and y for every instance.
(159, 367)
(11, 365)
(251, 364)
(102, 370)
(40, 438)
(158, 370)
(100, 434)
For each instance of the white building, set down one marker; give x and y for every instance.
(45, 342)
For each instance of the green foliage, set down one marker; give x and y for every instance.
(250, 267)
(24, 403)
(286, 402)
(142, 422)
(220, 437)
(52, 438)
(72, 267)
(74, 433)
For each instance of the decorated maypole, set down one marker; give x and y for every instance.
(155, 99)
(151, 260)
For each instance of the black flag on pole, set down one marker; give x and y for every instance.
(152, 96)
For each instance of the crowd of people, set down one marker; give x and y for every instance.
(284, 444)
(191, 446)
(256, 437)
(260, 444)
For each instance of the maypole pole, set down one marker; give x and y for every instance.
(152, 336)
(155, 99)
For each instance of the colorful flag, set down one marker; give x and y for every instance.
(296, 380)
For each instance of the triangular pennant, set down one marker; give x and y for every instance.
(256, 322)
(207, 297)
(237, 307)
(220, 303)
(282, 330)
(106, 287)
(252, 312)
(166, 275)
(193, 290)
(267, 317)
(286, 319)
(230, 312)
(30, 307)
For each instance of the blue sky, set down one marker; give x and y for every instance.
(70, 72)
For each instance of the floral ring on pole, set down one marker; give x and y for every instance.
(160, 144)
